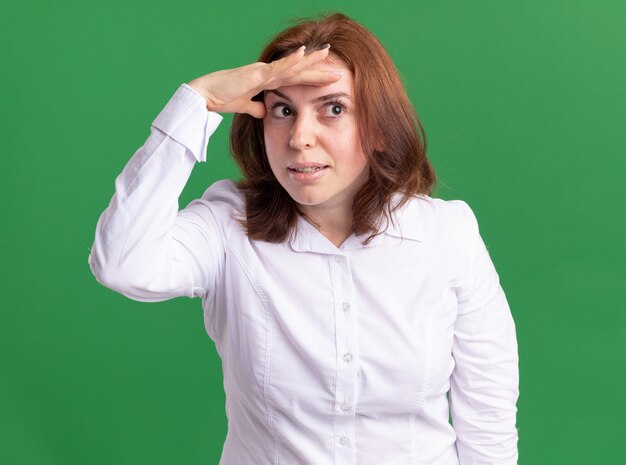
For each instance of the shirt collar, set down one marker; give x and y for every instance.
(408, 223)
(307, 238)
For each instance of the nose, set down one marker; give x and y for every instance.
(303, 133)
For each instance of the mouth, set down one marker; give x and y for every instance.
(306, 169)
(306, 172)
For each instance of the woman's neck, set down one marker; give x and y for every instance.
(334, 225)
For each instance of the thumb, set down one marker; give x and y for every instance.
(256, 109)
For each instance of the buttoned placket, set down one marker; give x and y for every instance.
(346, 335)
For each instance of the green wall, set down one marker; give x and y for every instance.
(524, 107)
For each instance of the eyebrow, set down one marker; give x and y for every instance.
(317, 99)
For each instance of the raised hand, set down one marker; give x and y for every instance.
(231, 91)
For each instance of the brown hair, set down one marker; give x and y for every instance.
(390, 132)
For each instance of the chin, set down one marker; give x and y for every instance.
(307, 199)
(307, 202)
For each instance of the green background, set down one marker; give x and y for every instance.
(524, 107)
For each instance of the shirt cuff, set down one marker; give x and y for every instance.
(186, 120)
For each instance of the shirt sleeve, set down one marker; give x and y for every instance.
(484, 383)
(144, 248)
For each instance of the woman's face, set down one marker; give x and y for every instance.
(312, 143)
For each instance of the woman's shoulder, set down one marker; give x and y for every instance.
(441, 209)
(434, 218)
(225, 192)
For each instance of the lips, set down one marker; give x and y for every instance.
(306, 167)
(306, 171)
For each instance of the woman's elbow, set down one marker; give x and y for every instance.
(143, 284)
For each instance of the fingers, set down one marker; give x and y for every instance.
(313, 77)
(299, 60)
(297, 68)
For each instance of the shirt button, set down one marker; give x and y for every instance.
(345, 306)
(338, 258)
(344, 441)
(345, 406)
(347, 357)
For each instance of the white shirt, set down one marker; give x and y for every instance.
(330, 355)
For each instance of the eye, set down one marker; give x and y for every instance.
(334, 109)
(280, 110)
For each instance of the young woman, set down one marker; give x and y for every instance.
(354, 314)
